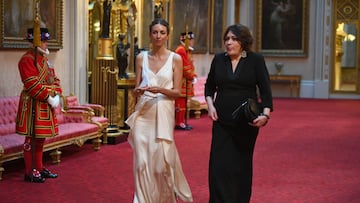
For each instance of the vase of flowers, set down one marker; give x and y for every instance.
(279, 66)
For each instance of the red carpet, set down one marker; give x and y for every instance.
(309, 152)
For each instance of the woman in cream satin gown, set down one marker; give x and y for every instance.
(157, 169)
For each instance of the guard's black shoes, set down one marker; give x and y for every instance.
(189, 126)
(48, 174)
(36, 177)
(183, 127)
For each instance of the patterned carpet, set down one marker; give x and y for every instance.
(309, 152)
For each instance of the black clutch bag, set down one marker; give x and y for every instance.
(250, 108)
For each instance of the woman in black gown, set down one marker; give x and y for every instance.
(234, 76)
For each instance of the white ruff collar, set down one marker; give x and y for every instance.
(46, 52)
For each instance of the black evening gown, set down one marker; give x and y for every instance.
(233, 141)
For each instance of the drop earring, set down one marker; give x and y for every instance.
(243, 54)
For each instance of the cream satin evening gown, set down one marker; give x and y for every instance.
(158, 173)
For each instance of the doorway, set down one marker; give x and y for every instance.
(346, 65)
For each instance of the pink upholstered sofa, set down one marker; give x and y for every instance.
(198, 103)
(71, 102)
(75, 127)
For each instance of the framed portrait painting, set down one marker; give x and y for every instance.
(18, 15)
(195, 15)
(218, 21)
(282, 27)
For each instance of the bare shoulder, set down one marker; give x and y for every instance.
(177, 62)
(177, 57)
(139, 58)
(140, 55)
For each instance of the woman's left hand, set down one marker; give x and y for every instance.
(154, 89)
(260, 121)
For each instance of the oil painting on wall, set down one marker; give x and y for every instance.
(18, 15)
(282, 27)
(195, 15)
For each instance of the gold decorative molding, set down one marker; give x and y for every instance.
(347, 10)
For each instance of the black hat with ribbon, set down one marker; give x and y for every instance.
(187, 35)
(44, 32)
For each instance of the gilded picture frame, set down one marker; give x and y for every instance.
(18, 15)
(282, 28)
(194, 14)
(218, 25)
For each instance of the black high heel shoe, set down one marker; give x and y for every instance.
(48, 174)
(36, 177)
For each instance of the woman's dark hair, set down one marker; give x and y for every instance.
(243, 35)
(161, 22)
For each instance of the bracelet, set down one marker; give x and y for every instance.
(267, 116)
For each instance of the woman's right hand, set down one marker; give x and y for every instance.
(139, 91)
(211, 109)
(212, 113)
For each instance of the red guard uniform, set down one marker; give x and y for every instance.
(38, 83)
(187, 89)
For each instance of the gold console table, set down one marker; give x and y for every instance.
(293, 80)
